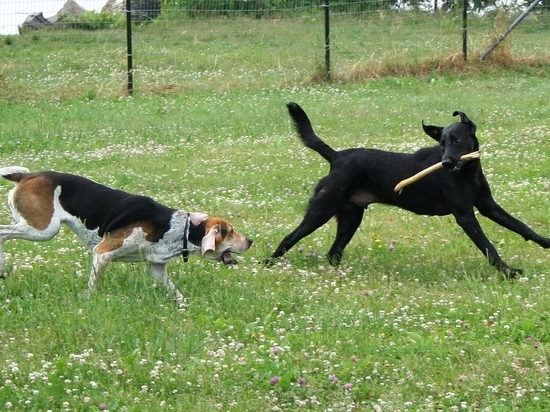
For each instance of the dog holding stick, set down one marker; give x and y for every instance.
(360, 177)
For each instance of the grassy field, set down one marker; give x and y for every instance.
(426, 324)
(236, 53)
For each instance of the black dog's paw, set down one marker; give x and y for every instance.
(512, 273)
(268, 261)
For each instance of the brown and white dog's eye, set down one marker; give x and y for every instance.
(222, 231)
(227, 231)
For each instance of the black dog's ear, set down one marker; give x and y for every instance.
(464, 119)
(433, 131)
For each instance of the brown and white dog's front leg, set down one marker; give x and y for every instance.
(159, 273)
(111, 248)
(99, 264)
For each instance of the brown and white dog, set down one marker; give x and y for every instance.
(114, 225)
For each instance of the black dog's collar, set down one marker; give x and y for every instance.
(185, 250)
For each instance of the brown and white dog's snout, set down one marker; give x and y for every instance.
(122, 227)
(219, 240)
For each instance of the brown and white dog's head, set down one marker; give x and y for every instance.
(216, 238)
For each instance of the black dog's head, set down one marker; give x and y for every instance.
(456, 140)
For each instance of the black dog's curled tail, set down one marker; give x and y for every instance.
(306, 133)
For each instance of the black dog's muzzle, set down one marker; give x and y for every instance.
(448, 164)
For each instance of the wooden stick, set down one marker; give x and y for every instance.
(431, 169)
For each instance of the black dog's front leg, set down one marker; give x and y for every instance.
(490, 209)
(468, 222)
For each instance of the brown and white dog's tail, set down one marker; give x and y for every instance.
(13, 173)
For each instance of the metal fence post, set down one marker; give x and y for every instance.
(326, 5)
(465, 30)
(129, 47)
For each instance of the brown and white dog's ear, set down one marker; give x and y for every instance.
(197, 218)
(208, 242)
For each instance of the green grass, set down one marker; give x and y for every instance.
(427, 326)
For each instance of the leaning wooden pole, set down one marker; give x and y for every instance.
(509, 29)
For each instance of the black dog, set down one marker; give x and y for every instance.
(359, 177)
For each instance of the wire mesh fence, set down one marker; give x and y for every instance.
(62, 48)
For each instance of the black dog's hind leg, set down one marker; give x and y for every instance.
(311, 222)
(349, 218)
(325, 203)
(467, 221)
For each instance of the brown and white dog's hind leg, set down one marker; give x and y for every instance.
(22, 230)
(33, 208)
